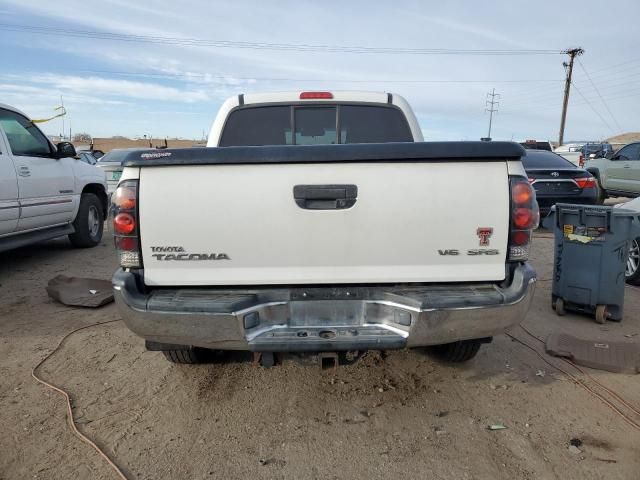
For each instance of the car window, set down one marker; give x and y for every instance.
(630, 152)
(87, 157)
(543, 159)
(116, 156)
(371, 124)
(315, 124)
(537, 146)
(258, 126)
(25, 139)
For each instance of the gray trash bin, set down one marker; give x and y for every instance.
(590, 254)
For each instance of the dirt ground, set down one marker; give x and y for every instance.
(399, 415)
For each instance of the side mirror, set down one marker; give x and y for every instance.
(65, 149)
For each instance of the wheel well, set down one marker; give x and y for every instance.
(595, 172)
(98, 190)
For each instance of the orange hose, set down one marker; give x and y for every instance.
(70, 417)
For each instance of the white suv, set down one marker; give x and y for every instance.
(44, 191)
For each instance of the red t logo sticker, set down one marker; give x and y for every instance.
(484, 233)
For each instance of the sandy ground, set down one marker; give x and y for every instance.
(399, 415)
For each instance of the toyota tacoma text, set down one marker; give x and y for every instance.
(321, 222)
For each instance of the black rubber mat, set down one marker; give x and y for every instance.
(616, 357)
(80, 292)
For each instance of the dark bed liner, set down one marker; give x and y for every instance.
(364, 152)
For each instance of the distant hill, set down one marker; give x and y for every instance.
(625, 138)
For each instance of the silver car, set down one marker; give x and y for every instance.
(111, 164)
(632, 272)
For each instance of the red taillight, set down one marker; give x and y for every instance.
(124, 208)
(124, 223)
(520, 238)
(524, 218)
(126, 243)
(315, 95)
(521, 193)
(586, 182)
(124, 198)
(581, 160)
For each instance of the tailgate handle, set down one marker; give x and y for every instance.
(325, 197)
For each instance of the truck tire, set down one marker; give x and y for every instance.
(186, 355)
(457, 352)
(602, 193)
(89, 222)
(632, 271)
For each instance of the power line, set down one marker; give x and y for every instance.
(182, 41)
(207, 76)
(609, 81)
(552, 96)
(599, 95)
(592, 107)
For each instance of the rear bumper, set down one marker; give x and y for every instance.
(330, 318)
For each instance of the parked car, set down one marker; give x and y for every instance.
(287, 240)
(44, 191)
(557, 180)
(632, 272)
(597, 150)
(111, 165)
(619, 173)
(89, 149)
(87, 157)
(575, 157)
(537, 145)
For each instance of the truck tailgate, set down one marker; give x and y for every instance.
(240, 224)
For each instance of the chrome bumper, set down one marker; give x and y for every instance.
(323, 318)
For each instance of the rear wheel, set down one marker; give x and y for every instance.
(457, 352)
(601, 313)
(602, 194)
(89, 222)
(632, 271)
(186, 355)
(559, 307)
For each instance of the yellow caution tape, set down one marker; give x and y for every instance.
(61, 114)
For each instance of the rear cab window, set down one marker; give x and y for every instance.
(319, 124)
(543, 159)
(535, 145)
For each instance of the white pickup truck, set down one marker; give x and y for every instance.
(44, 191)
(315, 223)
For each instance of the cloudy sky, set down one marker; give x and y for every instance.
(166, 86)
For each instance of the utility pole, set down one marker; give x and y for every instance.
(62, 105)
(573, 53)
(491, 107)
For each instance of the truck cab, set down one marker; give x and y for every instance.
(618, 174)
(336, 117)
(44, 191)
